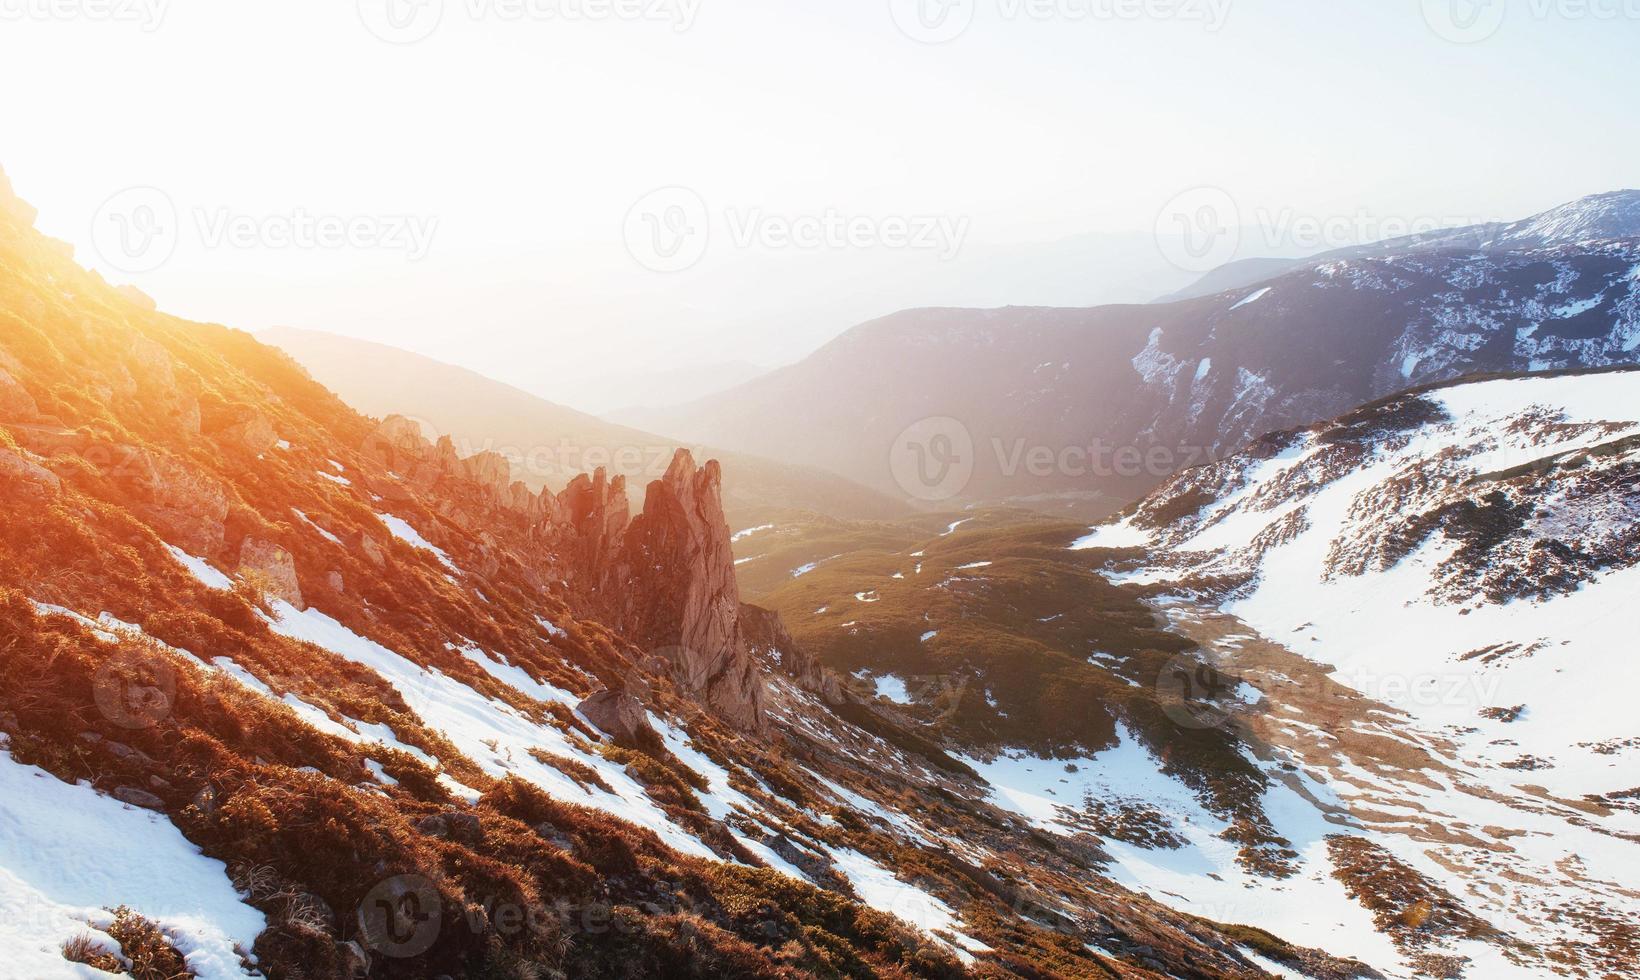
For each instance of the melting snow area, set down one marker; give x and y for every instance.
(1202, 878)
(891, 687)
(67, 854)
(518, 679)
(333, 539)
(402, 530)
(811, 566)
(1253, 297)
(878, 888)
(200, 569)
(748, 532)
(491, 733)
(1548, 856)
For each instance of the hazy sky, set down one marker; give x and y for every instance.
(473, 179)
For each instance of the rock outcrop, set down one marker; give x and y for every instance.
(767, 637)
(182, 501)
(665, 578)
(35, 479)
(676, 575)
(15, 401)
(620, 716)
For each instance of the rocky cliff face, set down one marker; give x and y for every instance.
(665, 578)
(675, 577)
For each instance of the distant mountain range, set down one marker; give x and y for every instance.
(549, 444)
(1087, 409)
(1598, 217)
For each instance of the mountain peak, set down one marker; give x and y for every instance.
(1614, 214)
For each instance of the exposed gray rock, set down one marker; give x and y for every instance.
(621, 717)
(36, 479)
(132, 796)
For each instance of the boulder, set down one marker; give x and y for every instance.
(188, 507)
(34, 479)
(240, 427)
(463, 828)
(622, 717)
(153, 367)
(16, 404)
(271, 567)
(372, 551)
(132, 796)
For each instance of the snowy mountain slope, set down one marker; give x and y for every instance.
(1496, 523)
(377, 710)
(1460, 562)
(1336, 817)
(1116, 399)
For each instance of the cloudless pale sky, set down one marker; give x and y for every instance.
(523, 144)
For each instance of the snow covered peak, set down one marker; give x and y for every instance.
(1597, 217)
